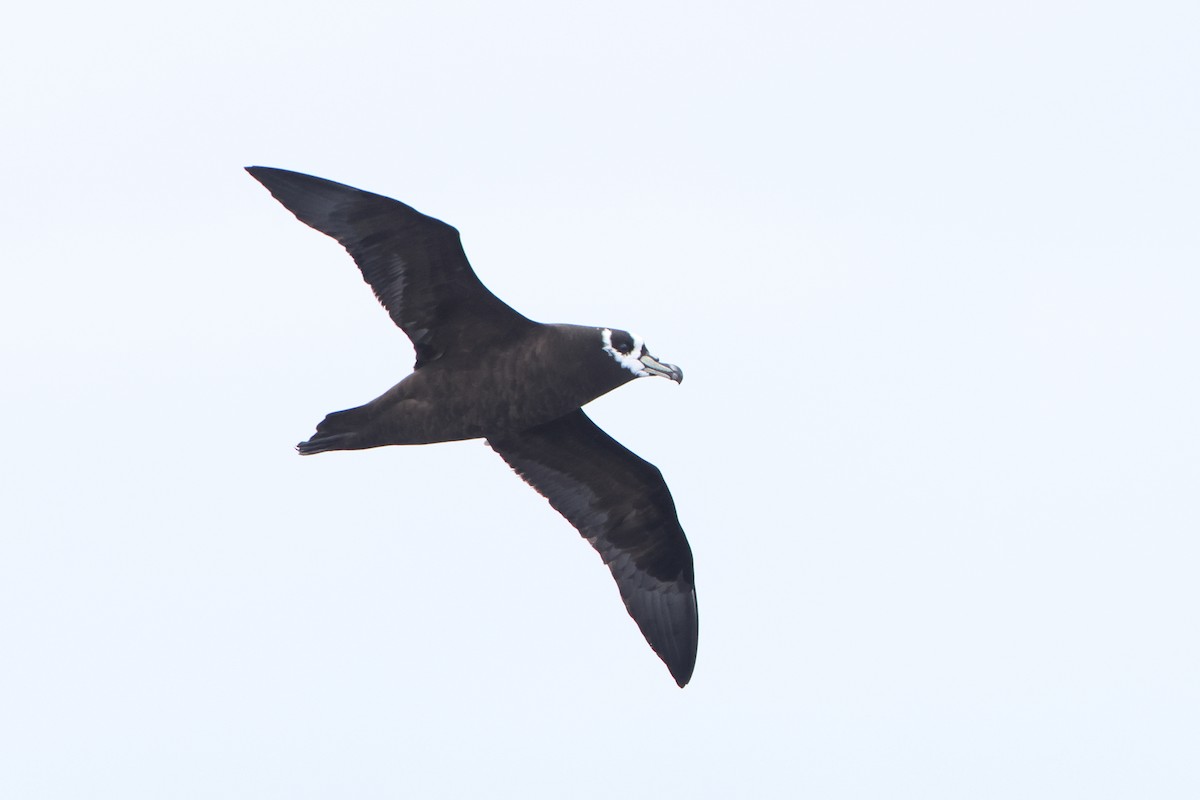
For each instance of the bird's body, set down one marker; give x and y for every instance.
(526, 380)
(485, 371)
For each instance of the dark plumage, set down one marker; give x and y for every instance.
(485, 371)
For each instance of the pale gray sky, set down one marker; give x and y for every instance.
(931, 270)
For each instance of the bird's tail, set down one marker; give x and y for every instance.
(338, 431)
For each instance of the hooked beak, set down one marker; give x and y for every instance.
(663, 370)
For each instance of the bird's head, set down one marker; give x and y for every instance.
(628, 350)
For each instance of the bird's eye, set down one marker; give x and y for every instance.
(622, 342)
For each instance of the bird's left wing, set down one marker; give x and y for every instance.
(620, 503)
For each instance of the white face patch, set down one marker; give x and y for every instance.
(627, 360)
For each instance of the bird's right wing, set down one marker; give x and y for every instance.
(415, 264)
(620, 503)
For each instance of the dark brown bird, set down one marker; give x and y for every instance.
(485, 371)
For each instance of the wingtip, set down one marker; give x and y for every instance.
(257, 172)
(671, 628)
(681, 672)
(260, 173)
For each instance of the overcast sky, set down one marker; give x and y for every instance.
(932, 271)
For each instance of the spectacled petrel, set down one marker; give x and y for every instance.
(483, 370)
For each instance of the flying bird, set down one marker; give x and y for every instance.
(485, 371)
